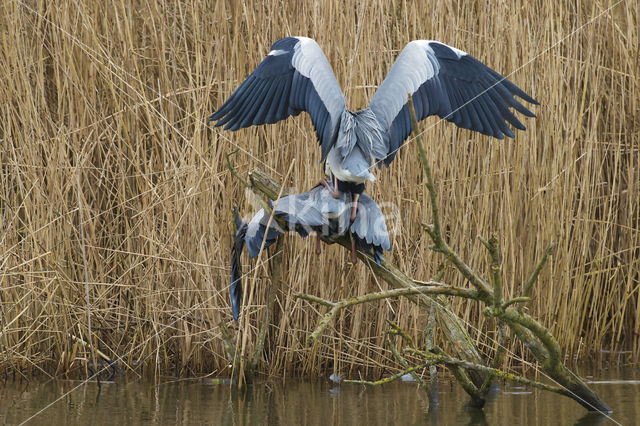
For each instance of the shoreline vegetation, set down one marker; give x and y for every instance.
(116, 205)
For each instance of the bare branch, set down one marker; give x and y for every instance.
(390, 378)
(335, 307)
(534, 276)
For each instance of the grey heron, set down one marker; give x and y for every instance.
(295, 76)
(317, 211)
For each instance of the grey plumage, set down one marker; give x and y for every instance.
(442, 80)
(312, 211)
(296, 76)
(317, 211)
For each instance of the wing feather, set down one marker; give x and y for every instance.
(269, 101)
(451, 84)
(295, 76)
(243, 108)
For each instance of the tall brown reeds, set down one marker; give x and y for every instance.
(117, 95)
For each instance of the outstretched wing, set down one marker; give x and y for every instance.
(450, 83)
(295, 76)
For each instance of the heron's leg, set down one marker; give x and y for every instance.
(318, 244)
(355, 207)
(334, 192)
(324, 183)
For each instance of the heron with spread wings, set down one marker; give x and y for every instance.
(442, 80)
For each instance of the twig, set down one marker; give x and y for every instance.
(98, 351)
(390, 378)
(515, 300)
(496, 270)
(233, 170)
(534, 276)
(315, 299)
(395, 329)
(403, 362)
(435, 217)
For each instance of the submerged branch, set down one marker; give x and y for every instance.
(390, 378)
(403, 362)
(441, 358)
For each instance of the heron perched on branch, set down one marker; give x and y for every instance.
(312, 211)
(442, 80)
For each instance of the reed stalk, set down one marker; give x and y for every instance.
(127, 89)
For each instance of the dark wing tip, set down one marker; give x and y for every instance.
(377, 254)
(529, 113)
(527, 98)
(236, 297)
(235, 290)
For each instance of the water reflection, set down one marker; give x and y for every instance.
(305, 402)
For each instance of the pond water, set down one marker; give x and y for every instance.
(305, 402)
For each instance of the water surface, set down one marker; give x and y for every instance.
(306, 402)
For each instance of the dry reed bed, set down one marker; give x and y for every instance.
(118, 95)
